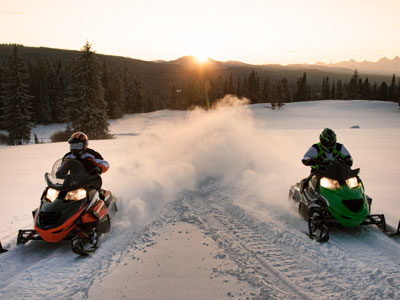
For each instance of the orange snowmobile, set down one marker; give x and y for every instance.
(73, 206)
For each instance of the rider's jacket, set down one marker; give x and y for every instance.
(317, 155)
(90, 159)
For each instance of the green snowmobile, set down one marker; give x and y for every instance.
(334, 195)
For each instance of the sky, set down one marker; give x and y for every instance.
(251, 31)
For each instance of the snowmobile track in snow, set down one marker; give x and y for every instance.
(268, 252)
(283, 263)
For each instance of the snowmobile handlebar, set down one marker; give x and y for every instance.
(336, 170)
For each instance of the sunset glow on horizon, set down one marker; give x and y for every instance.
(256, 31)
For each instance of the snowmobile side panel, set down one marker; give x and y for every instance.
(99, 210)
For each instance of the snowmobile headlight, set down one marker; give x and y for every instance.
(352, 182)
(328, 183)
(52, 194)
(75, 195)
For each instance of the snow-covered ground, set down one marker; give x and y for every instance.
(204, 211)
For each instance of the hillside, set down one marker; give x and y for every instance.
(159, 76)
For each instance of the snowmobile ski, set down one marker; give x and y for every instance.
(394, 233)
(25, 235)
(2, 250)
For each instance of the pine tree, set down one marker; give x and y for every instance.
(138, 95)
(87, 109)
(265, 96)
(339, 90)
(302, 89)
(17, 114)
(253, 87)
(326, 93)
(114, 92)
(392, 92)
(129, 92)
(366, 90)
(333, 91)
(398, 93)
(282, 93)
(383, 91)
(2, 67)
(56, 94)
(354, 87)
(374, 93)
(239, 91)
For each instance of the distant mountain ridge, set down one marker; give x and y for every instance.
(384, 66)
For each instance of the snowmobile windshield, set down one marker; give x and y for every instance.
(338, 171)
(69, 174)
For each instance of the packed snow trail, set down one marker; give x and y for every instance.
(285, 264)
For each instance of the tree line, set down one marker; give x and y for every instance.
(86, 92)
(204, 90)
(358, 88)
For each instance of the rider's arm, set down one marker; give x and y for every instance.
(96, 159)
(61, 172)
(310, 158)
(347, 159)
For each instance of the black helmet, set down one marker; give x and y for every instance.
(328, 139)
(78, 143)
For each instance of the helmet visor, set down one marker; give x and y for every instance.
(330, 143)
(76, 146)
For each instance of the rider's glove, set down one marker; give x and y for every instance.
(96, 170)
(311, 162)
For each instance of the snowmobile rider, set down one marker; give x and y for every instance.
(320, 155)
(326, 151)
(90, 159)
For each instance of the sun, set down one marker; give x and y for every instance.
(201, 59)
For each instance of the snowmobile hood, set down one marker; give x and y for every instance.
(55, 226)
(348, 206)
